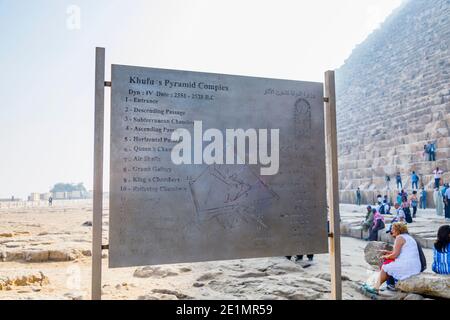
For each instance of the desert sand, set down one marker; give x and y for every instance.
(46, 255)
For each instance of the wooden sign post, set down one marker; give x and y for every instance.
(332, 186)
(98, 174)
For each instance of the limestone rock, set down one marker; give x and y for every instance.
(7, 256)
(427, 284)
(153, 272)
(198, 284)
(63, 255)
(36, 255)
(147, 297)
(413, 296)
(372, 252)
(209, 276)
(86, 253)
(177, 294)
(74, 295)
(37, 278)
(6, 235)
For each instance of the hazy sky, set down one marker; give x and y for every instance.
(47, 63)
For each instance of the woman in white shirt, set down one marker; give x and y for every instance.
(406, 256)
(437, 177)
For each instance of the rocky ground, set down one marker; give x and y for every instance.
(45, 254)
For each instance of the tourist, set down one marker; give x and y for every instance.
(447, 203)
(441, 251)
(414, 203)
(438, 202)
(387, 206)
(299, 257)
(444, 189)
(309, 256)
(426, 155)
(404, 194)
(400, 214)
(398, 179)
(379, 199)
(437, 177)
(377, 225)
(423, 199)
(358, 197)
(399, 217)
(399, 198)
(384, 208)
(406, 256)
(432, 151)
(405, 207)
(388, 182)
(415, 180)
(367, 223)
(50, 201)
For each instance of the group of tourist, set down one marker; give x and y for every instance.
(414, 179)
(374, 220)
(441, 196)
(407, 258)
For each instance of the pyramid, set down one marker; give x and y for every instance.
(393, 97)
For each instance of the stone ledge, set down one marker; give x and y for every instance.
(432, 285)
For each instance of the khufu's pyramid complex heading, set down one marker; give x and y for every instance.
(393, 96)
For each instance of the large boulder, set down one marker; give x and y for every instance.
(427, 284)
(373, 252)
(63, 255)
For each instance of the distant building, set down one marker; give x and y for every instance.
(34, 196)
(59, 195)
(67, 195)
(45, 196)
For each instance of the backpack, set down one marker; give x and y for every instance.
(381, 210)
(423, 259)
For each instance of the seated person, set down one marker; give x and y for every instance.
(384, 208)
(399, 217)
(405, 255)
(367, 223)
(441, 251)
(378, 224)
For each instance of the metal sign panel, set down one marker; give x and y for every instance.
(241, 206)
